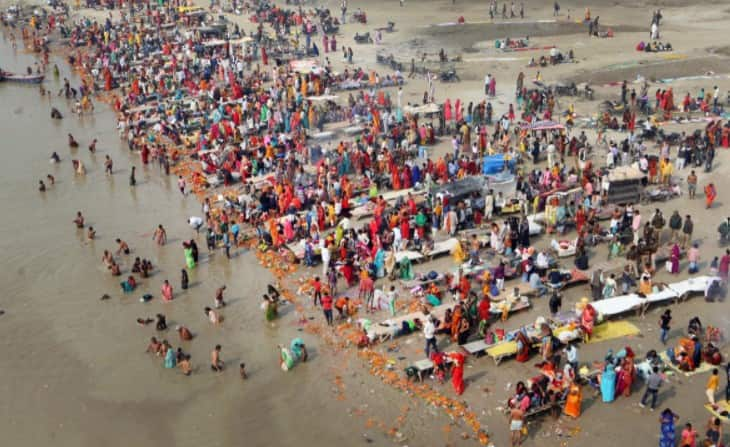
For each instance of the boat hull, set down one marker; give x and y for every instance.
(22, 79)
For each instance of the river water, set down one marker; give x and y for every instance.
(73, 370)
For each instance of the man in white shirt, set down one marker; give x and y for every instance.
(571, 357)
(195, 222)
(429, 333)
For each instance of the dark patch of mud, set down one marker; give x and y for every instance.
(653, 70)
(723, 51)
(469, 34)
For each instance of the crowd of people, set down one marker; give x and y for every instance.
(211, 112)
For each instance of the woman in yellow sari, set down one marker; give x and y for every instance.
(458, 254)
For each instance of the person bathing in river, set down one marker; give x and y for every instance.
(72, 143)
(160, 235)
(123, 247)
(79, 221)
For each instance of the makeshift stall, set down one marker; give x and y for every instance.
(542, 125)
(625, 185)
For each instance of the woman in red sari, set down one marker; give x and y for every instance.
(580, 218)
(523, 347)
(457, 371)
(625, 377)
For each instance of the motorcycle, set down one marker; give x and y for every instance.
(449, 76)
(359, 17)
(588, 92)
(388, 29)
(363, 38)
(328, 28)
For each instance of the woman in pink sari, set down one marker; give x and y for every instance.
(288, 230)
(674, 259)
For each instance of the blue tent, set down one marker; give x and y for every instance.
(492, 164)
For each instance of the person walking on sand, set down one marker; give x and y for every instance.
(327, 308)
(216, 363)
(132, 178)
(108, 164)
(181, 184)
(664, 321)
(713, 385)
(692, 184)
(687, 230)
(429, 333)
(653, 382)
(516, 422)
(710, 195)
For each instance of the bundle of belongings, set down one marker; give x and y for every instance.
(653, 47)
(508, 43)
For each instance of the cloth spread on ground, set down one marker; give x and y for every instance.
(703, 368)
(613, 329)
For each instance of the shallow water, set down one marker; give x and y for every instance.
(74, 371)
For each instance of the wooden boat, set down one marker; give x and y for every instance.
(22, 79)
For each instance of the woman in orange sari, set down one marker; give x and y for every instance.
(710, 195)
(455, 320)
(573, 402)
(274, 231)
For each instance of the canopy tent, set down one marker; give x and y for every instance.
(305, 65)
(323, 98)
(542, 125)
(423, 109)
